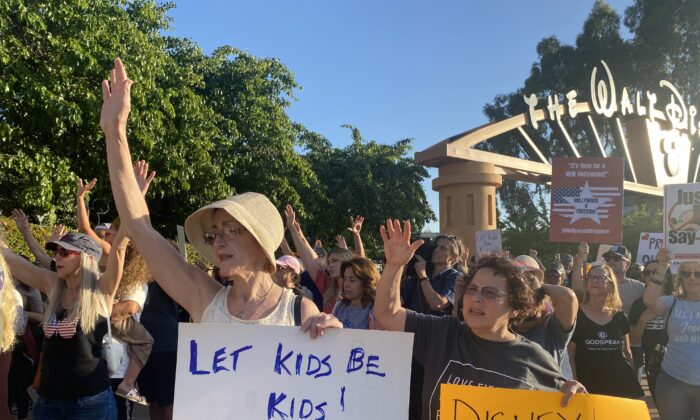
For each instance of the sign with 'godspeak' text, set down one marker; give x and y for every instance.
(682, 221)
(264, 373)
(463, 402)
(587, 200)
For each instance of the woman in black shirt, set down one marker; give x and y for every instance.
(74, 382)
(599, 351)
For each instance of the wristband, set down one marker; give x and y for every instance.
(656, 281)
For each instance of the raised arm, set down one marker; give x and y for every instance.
(398, 251)
(565, 304)
(578, 272)
(28, 273)
(355, 228)
(286, 249)
(81, 215)
(655, 285)
(306, 252)
(22, 222)
(187, 285)
(109, 281)
(436, 301)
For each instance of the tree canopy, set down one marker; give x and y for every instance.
(210, 125)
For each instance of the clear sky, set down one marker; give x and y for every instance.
(395, 69)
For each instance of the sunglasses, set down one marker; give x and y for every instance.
(488, 293)
(615, 258)
(599, 279)
(227, 233)
(64, 252)
(695, 274)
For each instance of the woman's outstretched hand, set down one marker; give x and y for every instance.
(397, 247)
(116, 95)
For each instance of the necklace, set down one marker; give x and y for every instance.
(257, 306)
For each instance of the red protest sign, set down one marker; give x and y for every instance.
(587, 200)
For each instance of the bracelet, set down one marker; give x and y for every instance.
(422, 279)
(656, 281)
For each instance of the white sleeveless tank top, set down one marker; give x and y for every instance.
(217, 311)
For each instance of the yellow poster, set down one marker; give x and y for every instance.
(461, 402)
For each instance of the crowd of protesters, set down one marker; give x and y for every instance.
(91, 327)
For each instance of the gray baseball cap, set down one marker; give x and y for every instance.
(77, 242)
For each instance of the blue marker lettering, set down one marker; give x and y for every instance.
(342, 398)
(371, 364)
(272, 403)
(218, 359)
(193, 360)
(279, 360)
(304, 404)
(315, 370)
(320, 408)
(355, 362)
(236, 353)
(300, 359)
(325, 363)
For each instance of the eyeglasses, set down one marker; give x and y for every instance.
(227, 233)
(64, 252)
(599, 279)
(615, 258)
(488, 293)
(695, 274)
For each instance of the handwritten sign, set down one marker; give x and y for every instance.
(488, 241)
(264, 372)
(602, 249)
(586, 200)
(463, 402)
(682, 221)
(649, 245)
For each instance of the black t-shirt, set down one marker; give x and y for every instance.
(452, 354)
(160, 318)
(653, 330)
(600, 362)
(73, 364)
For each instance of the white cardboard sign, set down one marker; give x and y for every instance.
(488, 241)
(265, 372)
(682, 221)
(602, 249)
(649, 245)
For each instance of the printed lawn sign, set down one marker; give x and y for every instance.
(587, 200)
(682, 220)
(464, 402)
(263, 373)
(649, 245)
(488, 241)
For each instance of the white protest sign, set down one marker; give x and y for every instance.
(682, 221)
(649, 245)
(264, 373)
(488, 241)
(602, 249)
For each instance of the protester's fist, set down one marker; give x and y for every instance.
(356, 224)
(582, 250)
(83, 189)
(662, 257)
(21, 219)
(116, 95)
(397, 247)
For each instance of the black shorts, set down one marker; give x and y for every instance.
(157, 379)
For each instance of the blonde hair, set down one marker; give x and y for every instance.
(8, 308)
(613, 302)
(91, 301)
(678, 289)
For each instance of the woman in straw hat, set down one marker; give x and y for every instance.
(239, 234)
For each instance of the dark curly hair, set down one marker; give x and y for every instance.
(521, 296)
(364, 270)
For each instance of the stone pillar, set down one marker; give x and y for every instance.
(467, 199)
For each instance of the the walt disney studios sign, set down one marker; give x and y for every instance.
(660, 136)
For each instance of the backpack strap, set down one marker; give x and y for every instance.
(297, 310)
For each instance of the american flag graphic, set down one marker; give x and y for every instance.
(563, 199)
(63, 328)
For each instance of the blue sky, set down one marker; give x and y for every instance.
(394, 69)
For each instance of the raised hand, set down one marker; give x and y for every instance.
(356, 224)
(116, 95)
(21, 219)
(290, 216)
(57, 233)
(340, 242)
(83, 189)
(397, 247)
(662, 257)
(143, 178)
(582, 250)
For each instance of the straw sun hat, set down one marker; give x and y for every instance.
(252, 210)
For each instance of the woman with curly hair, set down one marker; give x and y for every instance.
(360, 278)
(599, 351)
(482, 351)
